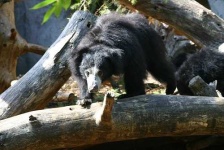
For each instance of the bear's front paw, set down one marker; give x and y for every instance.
(84, 102)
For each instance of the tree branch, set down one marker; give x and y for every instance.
(133, 118)
(189, 17)
(34, 48)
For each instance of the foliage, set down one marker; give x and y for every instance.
(56, 7)
(94, 6)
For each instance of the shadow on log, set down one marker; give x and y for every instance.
(137, 117)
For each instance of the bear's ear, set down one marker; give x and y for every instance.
(116, 56)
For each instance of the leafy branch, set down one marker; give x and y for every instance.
(56, 6)
(94, 6)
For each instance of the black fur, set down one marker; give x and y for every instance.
(209, 65)
(123, 44)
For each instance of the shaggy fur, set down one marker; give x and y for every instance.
(209, 65)
(122, 44)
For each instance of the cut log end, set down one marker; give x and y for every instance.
(103, 116)
(200, 88)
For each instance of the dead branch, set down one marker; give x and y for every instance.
(34, 48)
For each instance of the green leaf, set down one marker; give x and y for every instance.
(43, 4)
(58, 9)
(66, 4)
(48, 14)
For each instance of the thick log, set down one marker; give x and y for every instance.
(133, 118)
(187, 16)
(37, 87)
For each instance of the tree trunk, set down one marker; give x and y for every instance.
(11, 45)
(133, 118)
(189, 17)
(36, 88)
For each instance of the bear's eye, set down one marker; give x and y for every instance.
(87, 73)
(100, 73)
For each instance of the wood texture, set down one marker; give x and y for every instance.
(133, 118)
(189, 17)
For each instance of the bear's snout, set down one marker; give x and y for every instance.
(93, 89)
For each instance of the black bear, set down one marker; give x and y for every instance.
(208, 64)
(120, 44)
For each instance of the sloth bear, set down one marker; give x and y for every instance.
(120, 45)
(208, 64)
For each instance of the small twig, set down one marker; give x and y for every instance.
(98, 10)
(82, 5)
(34, 48)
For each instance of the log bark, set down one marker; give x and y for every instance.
(37, 87)
(12, 45)
(187, 16)
(133, 118)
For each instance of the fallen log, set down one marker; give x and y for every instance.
(37, 87)
(133, 118)
(198, 23)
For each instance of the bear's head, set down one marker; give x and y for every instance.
(98, 64)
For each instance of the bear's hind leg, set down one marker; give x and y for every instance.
(163, 71)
